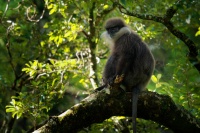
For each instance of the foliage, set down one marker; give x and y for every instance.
(47, 49)
(198, 32)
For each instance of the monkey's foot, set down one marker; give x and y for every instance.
(119, 79)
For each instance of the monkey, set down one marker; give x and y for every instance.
(130, 58)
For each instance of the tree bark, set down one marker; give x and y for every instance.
(102, 105)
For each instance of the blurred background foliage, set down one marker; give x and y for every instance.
(52, 56)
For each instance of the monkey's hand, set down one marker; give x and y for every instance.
(115, 80)
(119, 78)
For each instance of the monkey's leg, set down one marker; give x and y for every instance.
(135, 95)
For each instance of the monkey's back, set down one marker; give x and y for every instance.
(138, 61)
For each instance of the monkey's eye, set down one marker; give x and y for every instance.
(112, 30)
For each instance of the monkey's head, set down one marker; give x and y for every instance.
(113, 25)
(115, 28)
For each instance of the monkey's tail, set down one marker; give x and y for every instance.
(135, 94)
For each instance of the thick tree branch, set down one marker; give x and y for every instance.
(102, 105)
(166, 20)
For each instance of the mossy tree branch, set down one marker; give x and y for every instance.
(102, 105)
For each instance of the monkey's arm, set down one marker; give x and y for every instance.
(121, 69)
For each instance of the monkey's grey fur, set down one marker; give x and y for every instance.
(129, 56)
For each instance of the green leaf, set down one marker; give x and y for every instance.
(42, 43)
(62, 12)
(13, 102)
(154, 79)
(13, 114)
(10, 108)
(53, 82)
(52, 61)
(159, 76)
(52, 10)
(46, 25)
(60, 39)
(198, 33)
(50, 6)
(105, 7)
(19, 114)
(31, 73)
(158, 85)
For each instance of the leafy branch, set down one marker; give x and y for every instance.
(166, 21)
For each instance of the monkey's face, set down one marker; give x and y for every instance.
(113, 30)
(113, 26)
